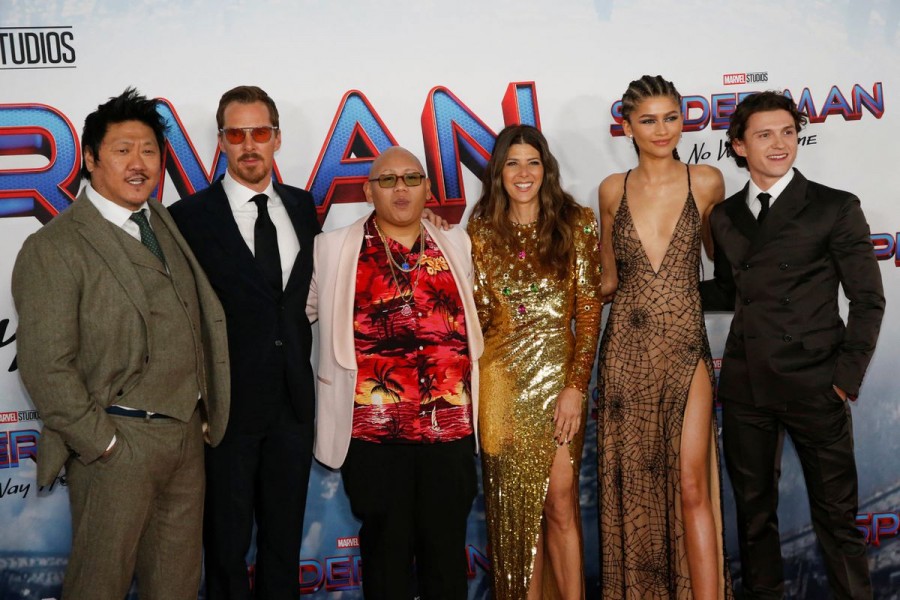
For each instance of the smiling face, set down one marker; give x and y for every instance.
(655, 124)
(769, 145)
(523, 174)
(127, 167)
(249, 162)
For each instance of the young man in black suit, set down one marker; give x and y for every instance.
(783, 246)
(254, 239)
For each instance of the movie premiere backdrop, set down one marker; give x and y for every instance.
(441, 78)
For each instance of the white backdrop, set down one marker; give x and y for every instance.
(450, 63)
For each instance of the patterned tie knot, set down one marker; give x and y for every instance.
(148, 238)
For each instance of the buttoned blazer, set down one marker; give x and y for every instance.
(331, 302)
(82, 333)
(781, 279)
(269, 337)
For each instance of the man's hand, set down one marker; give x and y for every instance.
(109, 449)
(841, 393)
(435, 219)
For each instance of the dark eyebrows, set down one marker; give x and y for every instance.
(652, 116)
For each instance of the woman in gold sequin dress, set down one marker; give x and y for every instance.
(537, 268)
(660, 513)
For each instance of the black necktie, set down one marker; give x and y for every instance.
(148, 238)
(267, 256)
(763, 206)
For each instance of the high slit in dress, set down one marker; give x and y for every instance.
(652, 344)
(530, 354)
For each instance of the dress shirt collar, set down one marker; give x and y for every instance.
(112, 212)
(775, 190)
(239, 195)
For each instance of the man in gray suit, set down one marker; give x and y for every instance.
(122, 348)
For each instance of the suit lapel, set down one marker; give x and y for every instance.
(162, 216)
(221, 222)
(99, 233)
(791, 201)
(303, 260)
(463, 287)
(737, 210)
(345, 296)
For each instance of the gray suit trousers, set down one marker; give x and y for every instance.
(139, 511)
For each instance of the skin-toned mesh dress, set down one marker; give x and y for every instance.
(652, 343)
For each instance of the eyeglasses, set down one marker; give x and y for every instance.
(390, 180)
(236, 135)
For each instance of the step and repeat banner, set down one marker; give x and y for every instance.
(441, 78)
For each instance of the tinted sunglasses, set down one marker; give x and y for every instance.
(236, 135)
(390, 180)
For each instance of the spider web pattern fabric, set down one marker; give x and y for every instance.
(654, 338)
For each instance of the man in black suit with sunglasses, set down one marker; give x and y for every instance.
(254, 238)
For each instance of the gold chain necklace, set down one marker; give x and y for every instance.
(405, 267)
(407, 296)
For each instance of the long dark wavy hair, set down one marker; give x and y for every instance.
(557, 209)
(648, 86)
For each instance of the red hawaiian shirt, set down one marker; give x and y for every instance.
(414, 379)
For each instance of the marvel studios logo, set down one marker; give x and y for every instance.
(51, 47)
(739, 78)
(17, 416)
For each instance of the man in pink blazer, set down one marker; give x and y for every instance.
(399, 342)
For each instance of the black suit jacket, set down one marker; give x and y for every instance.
(781, 280)
(269, 337)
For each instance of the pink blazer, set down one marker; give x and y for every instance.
(331, 299)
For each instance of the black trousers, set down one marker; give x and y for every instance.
(413, 501)
(262, 472)
(821, 429)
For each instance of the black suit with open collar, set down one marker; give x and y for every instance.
(786, 348)
(263, 463)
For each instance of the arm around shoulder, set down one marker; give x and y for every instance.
(609, 197)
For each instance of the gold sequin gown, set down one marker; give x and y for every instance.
(652, 343)
(530, 355)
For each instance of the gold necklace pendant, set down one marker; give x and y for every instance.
(404, 266)
(407, 296)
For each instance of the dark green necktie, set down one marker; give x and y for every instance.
(148, 238)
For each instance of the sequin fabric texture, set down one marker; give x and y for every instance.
(530, 355)
(653, 341)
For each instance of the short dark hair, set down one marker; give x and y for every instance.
(130, 105)
(246, 94)
(761, 102)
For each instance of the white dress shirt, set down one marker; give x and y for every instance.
(245, 213)
(117, 215)
(775, 190)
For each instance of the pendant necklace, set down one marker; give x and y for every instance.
(405, 297)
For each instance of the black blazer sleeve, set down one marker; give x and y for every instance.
(717, 294)
(850, 248)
